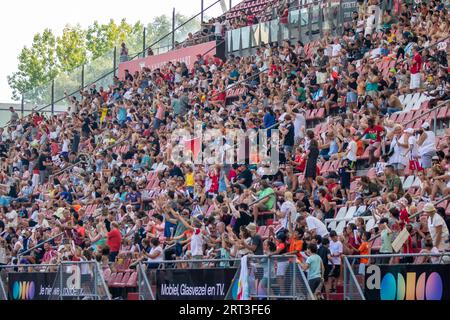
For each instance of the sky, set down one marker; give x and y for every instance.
(20, 20)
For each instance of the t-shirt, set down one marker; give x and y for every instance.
(386, 242)
(323, 254)
(256, 240)
(247, 176)
(374, 134)
(289, 209)
(289, 138)
(315, 224)
(352, 149)
(313, 263)
(364, 249)
(335, 248)
(114, 240)
(435, 222)
(271, 200)
(296, 245)
(417, 64)
(197, 243)
(159, 251)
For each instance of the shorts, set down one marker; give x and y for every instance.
(314, 284)
(335, 271)
(415, 81)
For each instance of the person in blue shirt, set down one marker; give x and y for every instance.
(269, 120)
(314, 267)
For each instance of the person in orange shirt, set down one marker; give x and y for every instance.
(364, 249)
(296, 242)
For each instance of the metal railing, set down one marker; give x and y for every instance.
(440, 105)
(39, 245)
(79, 281)
(83, 86)
(352, 288)
(270, 277)
(354, 272)
(72, 280)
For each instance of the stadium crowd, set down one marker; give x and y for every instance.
(99, 181)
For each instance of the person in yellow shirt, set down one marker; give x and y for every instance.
(189, 180)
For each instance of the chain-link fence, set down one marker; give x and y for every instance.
(277, 277)
(355, 268)
(79, 281)
(269, 277)
(26, 282)
(144, 287)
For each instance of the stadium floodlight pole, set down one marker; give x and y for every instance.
(144, 32)
(53, 97)
(173, 29)
(201, 10)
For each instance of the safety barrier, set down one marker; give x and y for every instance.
(65, 281)
(269, 277)
(355, 267)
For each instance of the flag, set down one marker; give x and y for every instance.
(194, 146)
(243, 280)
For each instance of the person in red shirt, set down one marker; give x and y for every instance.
(372, 136)
(416, 66)
(114, 239)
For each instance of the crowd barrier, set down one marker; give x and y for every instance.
(64, 281)
(415, 276)
(268, 277)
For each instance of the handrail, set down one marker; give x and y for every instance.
(413, 215)
(362, 256)
(353, 278)
(102, 279)
(145, 280)
(132, 57)
(305, 281)
(40, 244)
(438, 106)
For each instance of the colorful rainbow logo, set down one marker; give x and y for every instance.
(422, 289)
(23, 290)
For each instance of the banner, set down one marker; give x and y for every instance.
(30, 285)
(407, 282)
(193, 284)
(187, 55)
(42, 286)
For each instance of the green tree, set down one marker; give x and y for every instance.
(37, 64)
(71, 48)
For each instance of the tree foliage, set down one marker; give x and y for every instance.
(60, 57)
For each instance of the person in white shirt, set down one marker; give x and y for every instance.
(314, 225)
(288, 211)
(426, 145)
(370, 24)
(156, 254)
(336, 250)
(437, 227)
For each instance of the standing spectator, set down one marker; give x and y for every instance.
(123, 52)
(437, 227)
(336, 250)
(426, 145)
(415, 68)
(14, 116)
(315, 268)
(386, 240)
(311, 162)
(114, 240)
